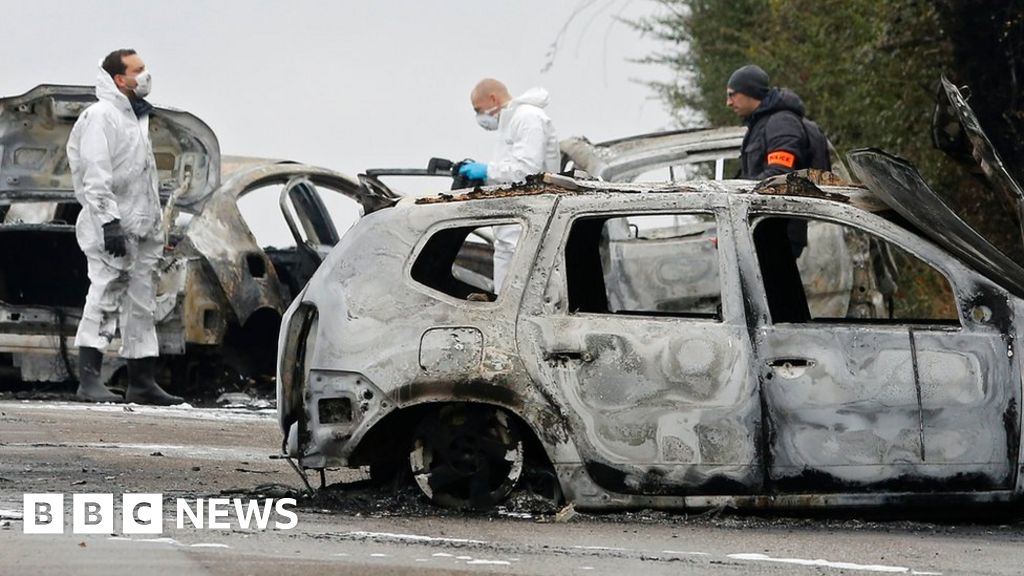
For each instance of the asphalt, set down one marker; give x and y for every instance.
(355, 527)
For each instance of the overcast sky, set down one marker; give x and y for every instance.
(351, 85)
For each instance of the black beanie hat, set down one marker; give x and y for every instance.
(750, 80)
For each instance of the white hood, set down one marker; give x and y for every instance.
(534, 97)
(107, 91)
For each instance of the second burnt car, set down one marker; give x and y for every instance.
(753, 395)
(220, 293)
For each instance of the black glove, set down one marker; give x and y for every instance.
(113, 239)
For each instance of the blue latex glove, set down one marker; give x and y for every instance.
(474, 171)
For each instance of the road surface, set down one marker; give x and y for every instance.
(201, 453)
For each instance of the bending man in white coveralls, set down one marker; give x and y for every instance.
(118, 229)
(527, 144)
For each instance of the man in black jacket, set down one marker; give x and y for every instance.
(777, 140)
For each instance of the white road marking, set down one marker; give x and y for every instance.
(490, 562)
(586, 567)
(441, 555)
(10, 515)
(411, 537)
(919, 573)
(820, 562)
(463, 557)
(170, 541)
(344, 554)
(379, 555)
(681, 553)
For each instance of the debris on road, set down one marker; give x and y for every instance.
(243, 400)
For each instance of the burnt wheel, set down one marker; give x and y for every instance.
(466, 456)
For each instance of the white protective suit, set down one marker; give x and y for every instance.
(527, 144)
(115, 177)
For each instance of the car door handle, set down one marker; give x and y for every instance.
(791, 363)
(569, 354)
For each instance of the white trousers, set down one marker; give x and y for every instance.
(122, 291)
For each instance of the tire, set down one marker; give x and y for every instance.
(466, 456)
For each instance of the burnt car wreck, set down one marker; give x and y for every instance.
(220, 295)
(662, 345)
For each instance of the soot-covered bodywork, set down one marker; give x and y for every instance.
(220, 294)
(669, 344)
(758, 397)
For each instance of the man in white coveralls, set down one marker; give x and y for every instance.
(115, 179)
(527, 144)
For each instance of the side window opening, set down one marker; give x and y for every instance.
(258, 207)
(651, 265)
(469, 263)
(843, 274)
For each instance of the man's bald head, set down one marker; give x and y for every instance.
(489, 94)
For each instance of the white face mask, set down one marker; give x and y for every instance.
(143, 84)
(487, 120)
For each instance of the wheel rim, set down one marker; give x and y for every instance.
(466, 456)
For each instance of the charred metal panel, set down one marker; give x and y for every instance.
(656, 405)
(220, 234)
(377, 321)
(34, 129)
(625, 159)
(857, 406)
(647, 410)
(202, 308)
(451, 351)
(666, 405)
(842, 404)
(969, 396)
(337, 404)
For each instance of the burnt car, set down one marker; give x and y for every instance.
(751, 395)
(220, 294)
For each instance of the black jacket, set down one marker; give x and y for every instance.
(776, 141)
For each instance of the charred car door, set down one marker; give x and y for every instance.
(649, 355)
(922, 397)
(310, 224)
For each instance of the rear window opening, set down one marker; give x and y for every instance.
(468, 263)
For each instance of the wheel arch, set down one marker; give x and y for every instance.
(392, 435)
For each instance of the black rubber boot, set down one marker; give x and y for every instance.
(90, 389)
(142, 386)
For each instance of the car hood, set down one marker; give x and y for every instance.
(897, 183)
(34, 130)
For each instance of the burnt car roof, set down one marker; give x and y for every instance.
(34, 129)
(804, 183)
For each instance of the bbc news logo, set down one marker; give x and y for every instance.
(144, 513)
